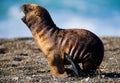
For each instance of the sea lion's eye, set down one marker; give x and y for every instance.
(29, 9)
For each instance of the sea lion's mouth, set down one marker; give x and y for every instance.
(23, 10)
(23, 18)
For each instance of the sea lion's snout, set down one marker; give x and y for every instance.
(23, 8)
(28, 10)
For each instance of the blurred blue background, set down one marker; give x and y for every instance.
(99, 16)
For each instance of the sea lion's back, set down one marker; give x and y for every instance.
(81, 45)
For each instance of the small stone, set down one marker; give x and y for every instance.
(103, 76)
(33, 75)
(28, 78)
(15, 78)
(87, 79)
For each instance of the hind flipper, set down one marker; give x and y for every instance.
(75, 67)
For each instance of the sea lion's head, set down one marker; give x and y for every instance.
(35, 15)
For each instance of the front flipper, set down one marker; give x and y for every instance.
(75, 67)
(56, 66)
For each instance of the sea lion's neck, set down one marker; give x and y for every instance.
(42, 24)
(44, 34)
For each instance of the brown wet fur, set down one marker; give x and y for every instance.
(84, 46)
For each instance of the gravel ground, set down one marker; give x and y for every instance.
(21, 61)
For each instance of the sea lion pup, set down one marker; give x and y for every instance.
(82, 45)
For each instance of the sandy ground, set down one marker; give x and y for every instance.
(21, 61)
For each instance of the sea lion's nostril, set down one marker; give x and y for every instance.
(23, 8)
